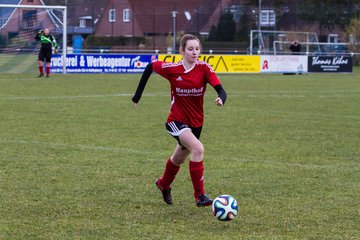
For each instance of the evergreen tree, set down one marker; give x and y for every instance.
(244, 28)
(226, 28)
(213, 34)
(330, 13)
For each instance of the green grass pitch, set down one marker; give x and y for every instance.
(78, 160)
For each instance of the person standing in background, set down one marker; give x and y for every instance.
(295, 47)
(47, 42)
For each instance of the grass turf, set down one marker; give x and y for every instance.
(78, 161)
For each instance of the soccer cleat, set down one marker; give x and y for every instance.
(166, 193)
(40, 75)
(47, 76)
(203, 200)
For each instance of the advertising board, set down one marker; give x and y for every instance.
(284, 64)
(101, 63)
(330, 64)
(223, 63)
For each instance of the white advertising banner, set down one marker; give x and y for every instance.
(283, 64)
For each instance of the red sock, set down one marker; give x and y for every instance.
(169, 174)
(47, 71)
(41, 69)
(197, 177)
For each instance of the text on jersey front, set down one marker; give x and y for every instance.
(190, 92)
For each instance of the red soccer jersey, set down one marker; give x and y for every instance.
(187, 90)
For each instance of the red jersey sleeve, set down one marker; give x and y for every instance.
(211, 77)
(160, 69)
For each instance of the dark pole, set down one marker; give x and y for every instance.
(112, 27)
(112, 32)
(92, 17)
(259, 27)
(174, 26)
(154, 29)
(132, 12)
(198, 19)
(296, 15)
(18, 20)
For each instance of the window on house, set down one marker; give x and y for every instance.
(112, 15)
(126, 15)
(333, 38)
(82, 23)
(268, 18)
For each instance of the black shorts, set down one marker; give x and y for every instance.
(45, 54)
(175, 128)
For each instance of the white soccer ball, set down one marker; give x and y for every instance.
(225, 208)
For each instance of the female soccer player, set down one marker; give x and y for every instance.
(188, 79)
(47, 41)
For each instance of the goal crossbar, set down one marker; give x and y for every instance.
(64, 8)
(32, 6)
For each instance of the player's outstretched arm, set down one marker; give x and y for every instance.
(221, 98)
(38, 35)
(55, 44)
(143, 80)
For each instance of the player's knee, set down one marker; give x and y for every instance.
(198, 150)
(178, 160)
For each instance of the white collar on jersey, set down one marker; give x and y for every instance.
(187, 70)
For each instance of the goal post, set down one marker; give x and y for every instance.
(7, 26)
(262, 41)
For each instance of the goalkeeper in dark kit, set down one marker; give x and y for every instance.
(47, 42)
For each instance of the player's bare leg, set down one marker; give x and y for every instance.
(179, 155)
(188, 140)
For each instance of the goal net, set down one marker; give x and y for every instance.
(19, 25)
(312, 48)
(278, 42)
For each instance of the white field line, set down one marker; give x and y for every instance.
(297, 94)
(81, 96)
(295, 91)
(301, 114)
(301, 96)
(253, 94)
(74, 146)
(351, 163)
